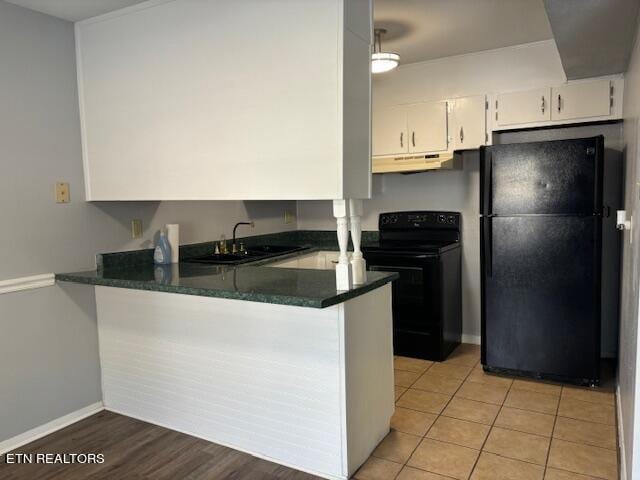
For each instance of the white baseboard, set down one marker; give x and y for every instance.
(50, 427)
(622, 459)
(473, 339)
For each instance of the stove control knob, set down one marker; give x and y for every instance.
(384, 220)
(451, 219)
(442, 219)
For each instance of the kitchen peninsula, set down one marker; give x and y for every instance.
(272, 361)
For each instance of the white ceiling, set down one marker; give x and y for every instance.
(74, 10)
(422, 30)
(418, 29)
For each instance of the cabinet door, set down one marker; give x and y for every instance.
(427, 124)
(470, 122)
(523, 107)
(389, 126)
(580, 100)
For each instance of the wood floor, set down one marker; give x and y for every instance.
(135, 450)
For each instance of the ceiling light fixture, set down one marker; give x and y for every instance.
(382, 61)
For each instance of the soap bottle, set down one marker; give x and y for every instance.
(162, 252)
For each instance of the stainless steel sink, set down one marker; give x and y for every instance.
(253, 253)
(222, 258)
(273, 249)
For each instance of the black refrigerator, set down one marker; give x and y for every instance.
(541, 255)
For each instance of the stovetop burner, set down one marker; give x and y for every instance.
(417, 231)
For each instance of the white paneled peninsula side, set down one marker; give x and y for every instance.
(270, 361)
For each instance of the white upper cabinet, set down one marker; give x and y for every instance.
(410, 129)
(389, 133)
(523, 107)
(469, 122)
(427, 127)
(227, 100)
(577, 101)
(581, 100)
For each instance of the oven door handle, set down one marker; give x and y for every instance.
(375, 255)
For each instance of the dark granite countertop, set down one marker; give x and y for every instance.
(255, 281)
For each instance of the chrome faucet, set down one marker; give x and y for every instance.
(234, 248)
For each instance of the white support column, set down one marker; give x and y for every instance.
(358, 263)
(344, 278)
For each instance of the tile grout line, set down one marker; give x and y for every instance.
(506, 406)
(510, 388)
(555, 421)
(488, 403)
(491, 428)
(463, 380)
(438, 415)
(395, 405)
(404, 465)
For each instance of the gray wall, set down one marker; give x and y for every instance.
(48, 341)
(459, 191)
(628, 368)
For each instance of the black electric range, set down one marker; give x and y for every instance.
(424, 247)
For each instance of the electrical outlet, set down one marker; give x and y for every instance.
(136, 228)
(289, 217)
(62, 192)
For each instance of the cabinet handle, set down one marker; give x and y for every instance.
(401, 139)
(559, 103)
(543, 104)
(413, 138)
(461, 135)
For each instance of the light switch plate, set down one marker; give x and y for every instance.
(62, 192)
(136, 228)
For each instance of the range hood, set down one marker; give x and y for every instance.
(415, 163)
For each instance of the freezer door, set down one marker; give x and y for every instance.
(541, 295)
(558, 177)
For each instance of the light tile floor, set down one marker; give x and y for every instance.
(453, 421)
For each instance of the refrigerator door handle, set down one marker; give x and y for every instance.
(486, 186)
(488, 246)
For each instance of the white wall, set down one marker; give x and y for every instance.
(48, 341)
(526, 66)
(511, 68)
(628, 366)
